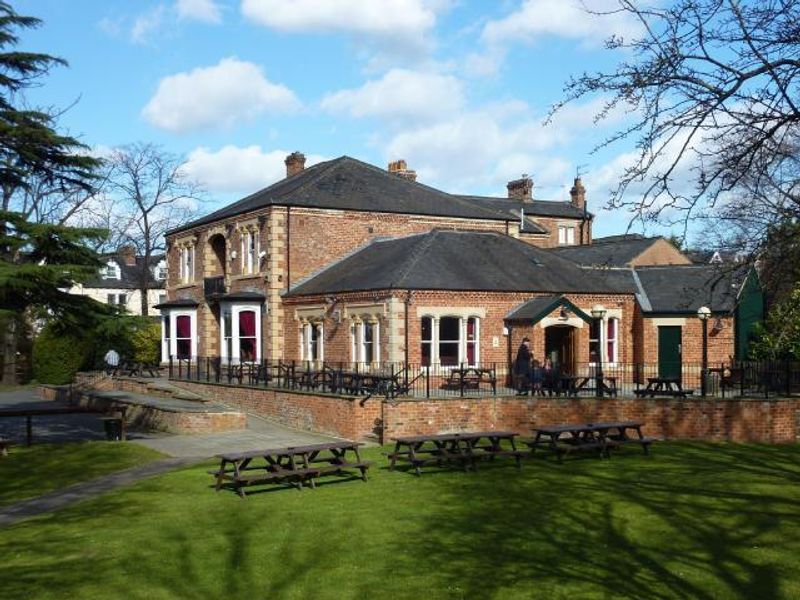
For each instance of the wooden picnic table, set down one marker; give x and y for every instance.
(600, 437)
(129, 368)
(470, 378)
(664, 386)
(295, 465)
(464, 449)
(571, 385)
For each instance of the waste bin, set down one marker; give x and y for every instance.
(113, 427)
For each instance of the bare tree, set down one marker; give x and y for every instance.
(149, 193)
(712, 90)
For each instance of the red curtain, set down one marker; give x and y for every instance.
(247, 323)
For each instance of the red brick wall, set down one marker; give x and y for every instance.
(743, 420)
(720, 343)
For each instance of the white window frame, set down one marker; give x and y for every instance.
(566, 235)
(117, 299)
(435, 358)
(358, 344)
(603, 342)
(614, 356)
(170, 347)
(160, 271)
(306, 341)
(250, 250)
(112, 271)
(234, 308)
(187, 264)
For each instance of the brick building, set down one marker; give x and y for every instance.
(347, 262)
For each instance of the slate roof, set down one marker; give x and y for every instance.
(178, 302)
(615, 251)
(536, 309)
(129, 274)
(539, 208)
(685, 288)
(457, 260)
(349, 184)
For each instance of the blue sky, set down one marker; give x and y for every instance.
(459, 89)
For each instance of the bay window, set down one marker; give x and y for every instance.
(179, 334)
(240, 332)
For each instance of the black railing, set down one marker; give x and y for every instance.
(392, 380)
(214, 286)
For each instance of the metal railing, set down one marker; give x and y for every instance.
(391, 380)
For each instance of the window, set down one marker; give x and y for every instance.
(612, 330)
(162, 298)
(247, 336)
(450, 341)
(566, 235)
(311, 342)
(426, 338)
(187, 264)
(165, 324)
(250, 251)
(183, 336)
(119, 299)
(449, 336)
(594, 342)
(366, 341)
(160, 271)
(111, 271)
(227, 334)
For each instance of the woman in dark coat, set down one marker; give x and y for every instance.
(522, 367)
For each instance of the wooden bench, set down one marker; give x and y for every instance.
(469, 378)
(645, 392)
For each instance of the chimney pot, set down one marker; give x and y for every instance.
(400, 168)
(521, 189)
(295, 163)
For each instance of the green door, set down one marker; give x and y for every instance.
(669, 352)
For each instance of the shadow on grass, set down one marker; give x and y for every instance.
(680, 525)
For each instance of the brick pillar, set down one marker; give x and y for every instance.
(275, 282)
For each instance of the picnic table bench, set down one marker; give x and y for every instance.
(599, 437)
(664, 386)
(117, 413)
(464, 449)
(295, 465)
(470, 378)
(571, 385)
(129, 368)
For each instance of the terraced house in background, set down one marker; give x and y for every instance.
(345, 261)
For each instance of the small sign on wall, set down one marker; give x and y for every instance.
(495, 342)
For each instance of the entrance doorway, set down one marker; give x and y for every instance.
(559, 346)
(669, 352)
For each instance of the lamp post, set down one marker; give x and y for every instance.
(598, 313)
(703, 313)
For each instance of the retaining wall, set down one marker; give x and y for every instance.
(740, 420)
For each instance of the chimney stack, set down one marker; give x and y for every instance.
(521, 189)
(400, 168)
(295, 163)
(128, 255)
(578, 194)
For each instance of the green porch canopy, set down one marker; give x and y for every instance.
(536, 309)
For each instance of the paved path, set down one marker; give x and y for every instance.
(86, 490)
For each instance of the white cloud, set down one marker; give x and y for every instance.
(221, 95)
(239, 169)
(145, 25)
(405, 23)
(199, 10)
(562, 18)
(400, 94)
(538, 19)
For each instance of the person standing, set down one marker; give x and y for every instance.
(522, 367)
(112, 360)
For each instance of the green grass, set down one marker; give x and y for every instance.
(693, 521)
(34, 470)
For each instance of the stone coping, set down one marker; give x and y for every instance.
(277, 390)
(163, 404)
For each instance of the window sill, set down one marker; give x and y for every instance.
(246, 276)
(182, 286)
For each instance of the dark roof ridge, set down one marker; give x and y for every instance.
(621, 240)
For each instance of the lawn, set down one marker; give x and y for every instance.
(704, 521)
(33, 470)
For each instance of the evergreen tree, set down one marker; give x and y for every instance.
(37, 262)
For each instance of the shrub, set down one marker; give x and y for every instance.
(57, 356)
(146, 342)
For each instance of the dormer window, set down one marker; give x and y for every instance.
(111, 271)
(160, 271)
